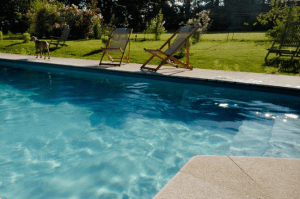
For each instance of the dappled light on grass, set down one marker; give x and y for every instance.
(282, 65)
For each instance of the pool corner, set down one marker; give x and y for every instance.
(234, 177)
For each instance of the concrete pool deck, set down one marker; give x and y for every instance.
(209, 176)
(244, 78)
(234, 177)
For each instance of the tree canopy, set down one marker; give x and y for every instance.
(225, 14)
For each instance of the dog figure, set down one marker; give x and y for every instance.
(40, 45)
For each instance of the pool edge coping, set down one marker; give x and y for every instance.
(140, 73)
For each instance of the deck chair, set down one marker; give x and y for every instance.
(183, 35)
(60, 40)
(289, 44)
(117, 43)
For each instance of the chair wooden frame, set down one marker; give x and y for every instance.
(108, 50)
(169, 56)
(60, 40)
(286, 42)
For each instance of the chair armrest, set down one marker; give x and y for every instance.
(274, 41)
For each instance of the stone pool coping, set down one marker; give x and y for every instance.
(283, 82)
(208, 176)
(234, 177)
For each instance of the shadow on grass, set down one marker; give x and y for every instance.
(215, 45)
(141, 39)
(178, 56)
(13, 38)
(54, 48)
(284, 65)
(263, 43)
(14, 44)
(51, 49)
(93, 53)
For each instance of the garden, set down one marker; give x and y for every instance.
(225, 50)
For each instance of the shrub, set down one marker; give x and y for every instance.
(1, 36)
(203, 20)
(23, 51)
(43, 15)
(156, 26)
(48, 16)
(10, 34)
(43, 23)
(97, 19)
(26, 37)
(109, 28)
(80, 20)
(96, 28)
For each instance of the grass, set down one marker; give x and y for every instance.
(241, 52)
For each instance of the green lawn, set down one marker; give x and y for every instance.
(245, 52)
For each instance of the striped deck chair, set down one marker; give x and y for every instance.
(117, 43)
(289, 45)
(183, 35)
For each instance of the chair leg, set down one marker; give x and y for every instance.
(291, 60)
(147, 62)
(122, 58)
(162, 63)
(266, 58)
(128, 57)
(101, 59)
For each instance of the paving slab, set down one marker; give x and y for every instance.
(185, 186)
(222, 171)
(280, 178)
(234, 177)
(244, 78)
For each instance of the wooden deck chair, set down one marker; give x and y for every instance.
(60, 40)
(183, 35)
(117, 43)
(290, 39)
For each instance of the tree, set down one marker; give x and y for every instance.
(231, 13)
(12, 15)
(280, 15)
(136, 12)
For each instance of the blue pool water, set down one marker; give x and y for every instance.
(79, 135)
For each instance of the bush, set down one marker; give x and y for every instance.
(10, 34)
(48, 16)
(43, 23)
(203, 20)
(96, 30)
(23, 51)
(81, 21)
(1, 36)
(43, 15)
(26, 37)
(156, 26)
(104, 40)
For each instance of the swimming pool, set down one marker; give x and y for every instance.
(68, 134)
